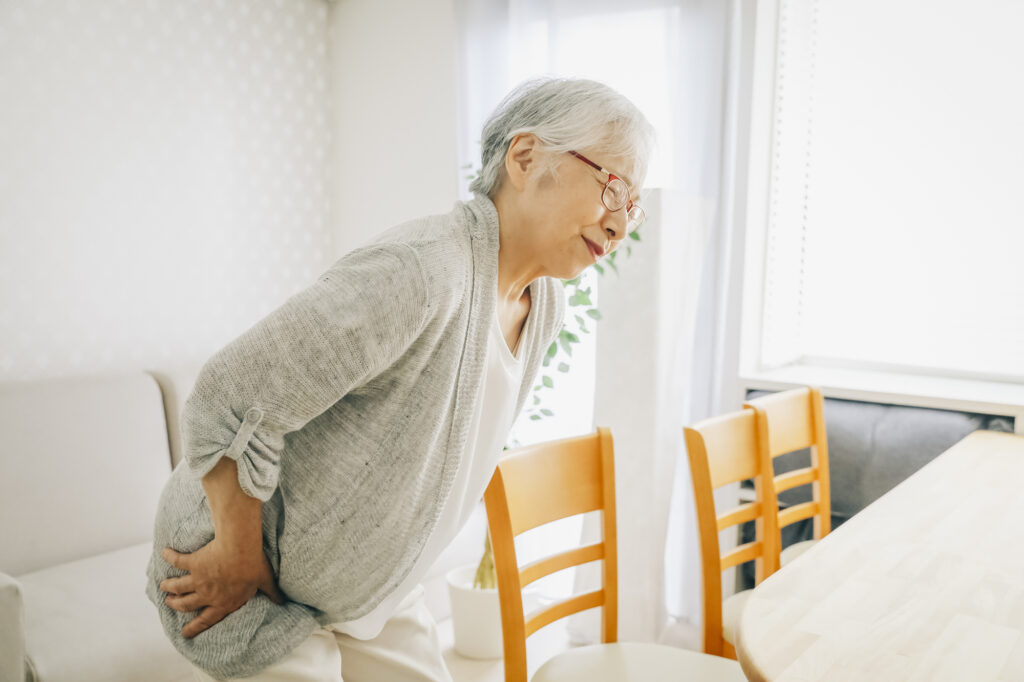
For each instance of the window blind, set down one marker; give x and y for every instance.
(896, 204)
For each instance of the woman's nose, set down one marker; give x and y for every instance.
(614, 225)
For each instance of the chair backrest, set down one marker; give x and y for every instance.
(724, 450)
(535, 485)
(789, 421)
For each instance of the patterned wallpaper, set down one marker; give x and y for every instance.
(163, 175)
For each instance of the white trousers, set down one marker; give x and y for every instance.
(406, 650)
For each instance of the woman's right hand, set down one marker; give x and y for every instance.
(220, 580)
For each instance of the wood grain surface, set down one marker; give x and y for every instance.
(926, 584)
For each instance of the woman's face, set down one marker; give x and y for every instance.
(568, 223)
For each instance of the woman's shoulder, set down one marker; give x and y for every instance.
(442, 239)
(431, 251)
(441, 246)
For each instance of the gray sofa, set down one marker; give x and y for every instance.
(83, 463)
(872, 447)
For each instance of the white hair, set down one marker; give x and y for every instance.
(565, 114)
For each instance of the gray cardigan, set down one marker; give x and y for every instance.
(347, 410)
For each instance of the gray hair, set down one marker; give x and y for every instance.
(565, 114)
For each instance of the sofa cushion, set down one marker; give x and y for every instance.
(907, 438)
(85, 460)
(89, 620)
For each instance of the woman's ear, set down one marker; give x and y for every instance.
(521, 159)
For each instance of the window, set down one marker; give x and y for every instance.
(891, 213)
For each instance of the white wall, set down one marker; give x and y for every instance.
(393, 91)
(171, 172)
(163, 176)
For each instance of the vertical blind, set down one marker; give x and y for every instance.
(896, 206)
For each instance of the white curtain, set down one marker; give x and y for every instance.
(654, 371)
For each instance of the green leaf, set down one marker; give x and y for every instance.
(583, 297)
(546, 380)
(572, 337)
(536, 400)
(547, 413)
(562, 367)
(629, 250)
(634, 235)
(572, 282)
(599, 269)
(614, 267)
(579, 320)
(553, 349)
(594, 313)
(566, 346)
(534, 417)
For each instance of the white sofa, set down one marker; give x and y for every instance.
(83, 463)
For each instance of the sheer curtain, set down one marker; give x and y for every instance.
(669, 57)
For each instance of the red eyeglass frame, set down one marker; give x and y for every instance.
(611, 176)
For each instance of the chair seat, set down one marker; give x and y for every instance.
(640, 661)
(732, 608)
(793, 551)
(90, 621)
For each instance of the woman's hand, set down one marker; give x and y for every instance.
(220, 580)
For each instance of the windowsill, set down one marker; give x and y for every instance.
(966, 395)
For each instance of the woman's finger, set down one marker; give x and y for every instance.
(184, 603)
(176, 559)
(182, 585)
(207, 618)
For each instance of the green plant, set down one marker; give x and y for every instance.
(559, 353)
(486, 577)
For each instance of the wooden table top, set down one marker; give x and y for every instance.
(925, 584)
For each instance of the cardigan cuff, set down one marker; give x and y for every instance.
(258, 465)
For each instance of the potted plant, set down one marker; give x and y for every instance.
(476, 611)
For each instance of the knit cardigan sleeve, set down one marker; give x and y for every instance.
(351, 324)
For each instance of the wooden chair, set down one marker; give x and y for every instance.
(788, 421)
(724, 450)
(541, 483)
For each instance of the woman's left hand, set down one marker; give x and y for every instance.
(219, 581)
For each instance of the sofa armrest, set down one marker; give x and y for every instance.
(12, 633)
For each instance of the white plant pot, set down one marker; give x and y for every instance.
(476, 616)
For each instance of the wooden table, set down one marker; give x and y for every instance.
(926, 584)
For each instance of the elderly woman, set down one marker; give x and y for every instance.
(335, 448)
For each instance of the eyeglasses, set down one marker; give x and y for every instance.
(616, 195)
